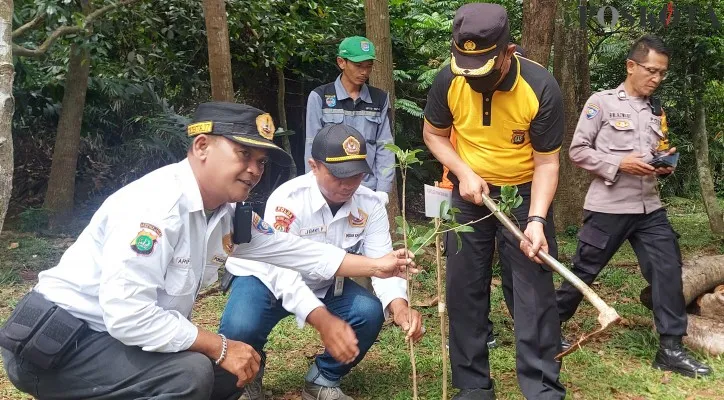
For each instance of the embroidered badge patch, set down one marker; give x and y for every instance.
(591, 110)
(282, 224)
(365, 46)
(227, 243)
(261, 225)
(330, 99)
(286, 213)
(146, 239)
(518, 136)
(358, 222)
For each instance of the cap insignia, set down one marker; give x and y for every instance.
(265, 126)
(469, 45)
(351, 146)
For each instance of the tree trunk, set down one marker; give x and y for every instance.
(538, 26)
(570, 67)
(705, 335)
(217, 33)
(281, 107)
(377, 17)
(7, 107)
(706, 182)
(61, 183)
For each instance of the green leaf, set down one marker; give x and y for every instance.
(393, 148)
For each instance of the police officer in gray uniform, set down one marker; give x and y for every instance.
(620, 134)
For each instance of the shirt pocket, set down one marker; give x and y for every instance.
(622, 135)
(516, 133)
(332, 118)
(180, 280)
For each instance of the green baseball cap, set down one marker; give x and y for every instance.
(357, 49)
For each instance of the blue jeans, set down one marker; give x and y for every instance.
(252, 311)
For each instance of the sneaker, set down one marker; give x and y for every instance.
(254, 390)
(672, 356)
(313, 391)
(565, 344)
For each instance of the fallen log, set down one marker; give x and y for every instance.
(705, 335)
(705, 332)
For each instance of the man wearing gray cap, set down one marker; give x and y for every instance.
(506, 112)
(326, 205)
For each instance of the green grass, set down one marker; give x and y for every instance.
(615, 366)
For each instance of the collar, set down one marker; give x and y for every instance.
(189, 185)
(318, 201)
(511, 79)
(364, 92)
(637, 103)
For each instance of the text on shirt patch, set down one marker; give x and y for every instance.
(312, 231)
(281, 211)
(358, 221)
(221, 260)
(619, 115)
(182, 260)
(352, 235)
(260, 225)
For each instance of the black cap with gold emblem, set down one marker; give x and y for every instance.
(241, 123)
(342, 149)
(480, 33)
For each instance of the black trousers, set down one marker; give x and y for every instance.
(657, 249)
(536, 324)
(104, 368)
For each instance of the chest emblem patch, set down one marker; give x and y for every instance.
(227, 244)
(261, 226)
(330, 100)
(358, 222)
(622, 123)
(518, 136)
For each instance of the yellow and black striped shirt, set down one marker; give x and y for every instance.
(497, 133)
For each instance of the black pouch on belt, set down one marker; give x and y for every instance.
(40, 331)
(30, 313)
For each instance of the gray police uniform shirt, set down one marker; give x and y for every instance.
(369, 114)
(613, 125)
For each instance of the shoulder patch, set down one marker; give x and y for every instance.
(145, 241)
(261, 226)
(592, 110)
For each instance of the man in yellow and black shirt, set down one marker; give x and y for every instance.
(506, 113)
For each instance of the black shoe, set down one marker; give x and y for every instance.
(476, 394)
(565, 345)
(672, 356)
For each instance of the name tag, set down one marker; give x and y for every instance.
(221, 260)
(182, 260)
(312, 231)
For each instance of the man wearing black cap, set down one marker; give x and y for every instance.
(326, 205)
(111, 320)
(506, 112)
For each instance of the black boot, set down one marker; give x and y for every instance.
(672, 356)
(477, 394)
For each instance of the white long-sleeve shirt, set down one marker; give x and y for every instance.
(359, 227)
(136, 269)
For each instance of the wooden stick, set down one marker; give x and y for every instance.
(409, 287)
(441, 309)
